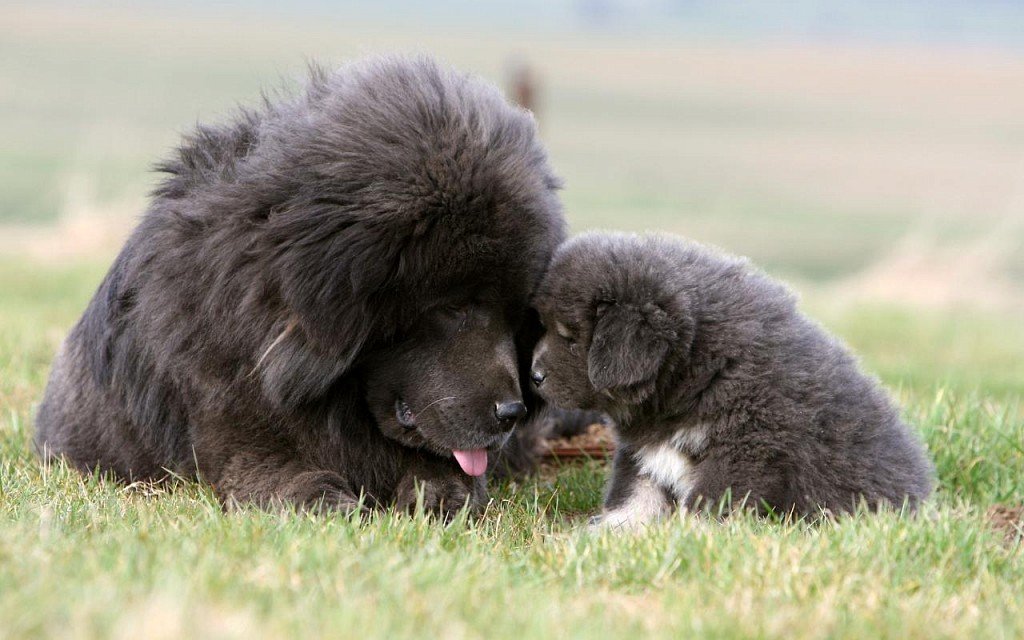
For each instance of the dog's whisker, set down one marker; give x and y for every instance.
(435, 402)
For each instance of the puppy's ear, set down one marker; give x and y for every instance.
(627, 350)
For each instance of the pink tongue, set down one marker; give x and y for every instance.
(473, 462)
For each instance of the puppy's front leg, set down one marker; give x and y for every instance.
(633, 499)
(446, 489)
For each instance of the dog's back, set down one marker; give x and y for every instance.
(794, 398)
(720, 387)
(105, 406)
(835, 431)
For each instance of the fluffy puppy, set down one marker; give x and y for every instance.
(718, 386)
(323, 300)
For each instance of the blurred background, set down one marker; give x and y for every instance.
(871, 152)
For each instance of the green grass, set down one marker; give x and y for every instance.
(815, 163)
(82, 557)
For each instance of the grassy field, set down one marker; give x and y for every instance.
(80, 557)
(894, 204)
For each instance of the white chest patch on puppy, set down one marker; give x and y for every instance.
(668, 467)
(662, 469)
(669, 464)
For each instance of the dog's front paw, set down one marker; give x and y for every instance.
(444, 495)
(324, 490)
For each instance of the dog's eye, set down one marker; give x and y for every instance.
(565, 332)
(454, 313)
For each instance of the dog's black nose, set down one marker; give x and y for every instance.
(509, 410)
(537, 377)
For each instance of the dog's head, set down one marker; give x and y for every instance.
(422, 217)
(614, 315)
(451, 383)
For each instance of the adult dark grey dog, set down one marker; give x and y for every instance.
(717, 384)
(322, 300)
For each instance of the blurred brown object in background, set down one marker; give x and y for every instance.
(1007, 520)
(595, 441)
(522, 85)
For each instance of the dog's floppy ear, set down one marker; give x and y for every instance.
(627, 349)
(293, 373)
(333, 272)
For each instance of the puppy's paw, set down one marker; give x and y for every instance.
(596, 523)
(632, 516)
(616, 521)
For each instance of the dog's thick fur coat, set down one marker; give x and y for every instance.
(717, 384)
(322, 298)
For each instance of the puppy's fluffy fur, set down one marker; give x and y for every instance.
(718, 386)
(322, 299)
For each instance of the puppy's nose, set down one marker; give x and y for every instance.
(509, 410)
(537, 377)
